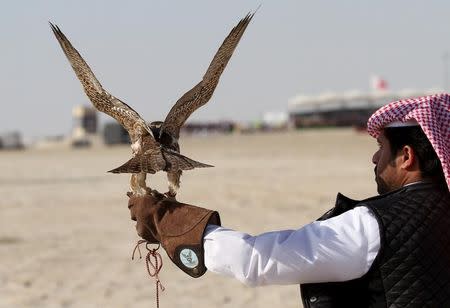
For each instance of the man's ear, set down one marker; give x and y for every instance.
(408, 158)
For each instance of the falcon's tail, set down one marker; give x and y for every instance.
(177, 161)
(173, 161)
(134, 165)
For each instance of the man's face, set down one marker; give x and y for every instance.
(386, 171)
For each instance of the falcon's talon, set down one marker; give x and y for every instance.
(170, 196)
(155, 194)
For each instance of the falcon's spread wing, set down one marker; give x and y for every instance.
(101, 99)
(202, 92)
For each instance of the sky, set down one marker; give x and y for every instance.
(148, 53)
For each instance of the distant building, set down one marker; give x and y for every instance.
(342, 109)
(84, 125)
(84, 120)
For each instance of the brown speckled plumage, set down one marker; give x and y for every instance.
(155, 146)
(202, 92)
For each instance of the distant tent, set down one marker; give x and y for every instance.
(351, 108)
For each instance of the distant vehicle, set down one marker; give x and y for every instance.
(114, 133)
(201, 128)
(11, 141)
(81, 143)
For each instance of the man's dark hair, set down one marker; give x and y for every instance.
(429, 164)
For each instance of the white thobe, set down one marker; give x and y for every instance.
(337, 249)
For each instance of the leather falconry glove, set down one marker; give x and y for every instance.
(179, 227)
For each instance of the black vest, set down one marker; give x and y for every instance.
(412, 268)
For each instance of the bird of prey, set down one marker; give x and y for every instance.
(154, 146)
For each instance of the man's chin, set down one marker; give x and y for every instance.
(381, 191)
(382, 188)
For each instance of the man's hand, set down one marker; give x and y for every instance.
(179, 227)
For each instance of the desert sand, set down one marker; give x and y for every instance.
(66, 236)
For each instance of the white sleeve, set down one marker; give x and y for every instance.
(337, 249)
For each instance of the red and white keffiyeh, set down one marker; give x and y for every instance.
(431, 112)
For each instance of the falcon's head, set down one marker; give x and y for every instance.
(163, 137)
(156, 128)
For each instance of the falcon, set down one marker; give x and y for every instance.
(154, 146)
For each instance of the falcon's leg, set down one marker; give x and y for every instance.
(173, 178)
(137, 184)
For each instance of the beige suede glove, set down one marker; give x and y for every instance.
(177, 226)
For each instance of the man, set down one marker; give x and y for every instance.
(391, 250)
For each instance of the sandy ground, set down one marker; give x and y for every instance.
(66, 236)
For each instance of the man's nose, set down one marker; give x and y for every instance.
(375, 157)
